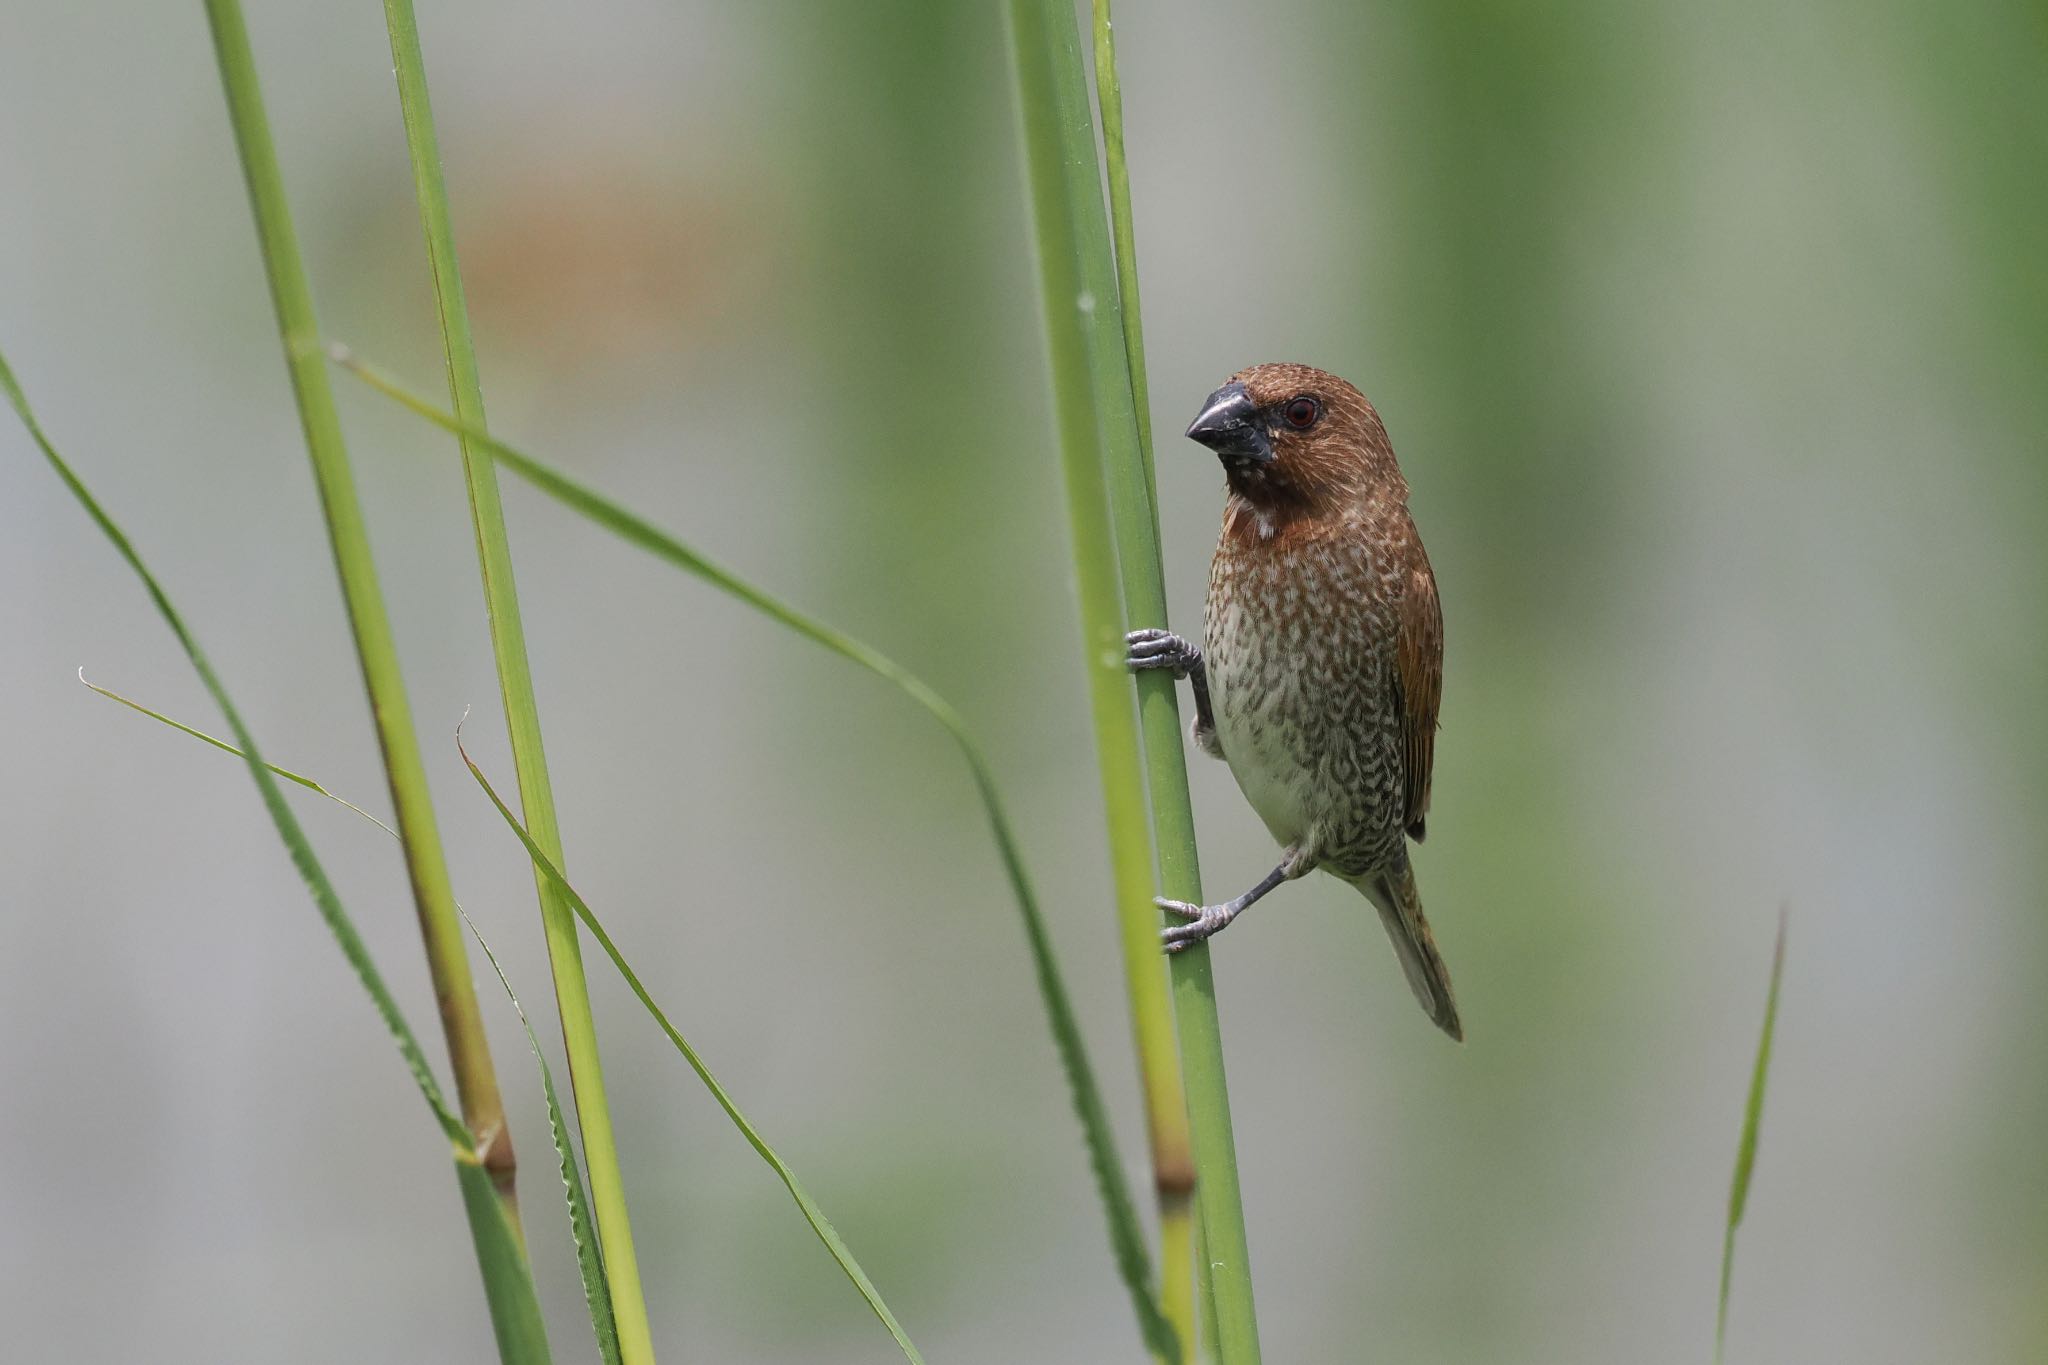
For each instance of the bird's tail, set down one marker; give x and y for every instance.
(1400, 905)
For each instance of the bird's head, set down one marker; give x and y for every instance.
(1294, 439)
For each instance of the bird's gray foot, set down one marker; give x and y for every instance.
(1202, 921)
(1206, 920)
(1162, 649)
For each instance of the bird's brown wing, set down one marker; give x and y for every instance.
(1419, 685)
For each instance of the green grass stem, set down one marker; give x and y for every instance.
(1180, 1272)
(1097, 364)
(1060, 155)
(515, 683)
(476, 1084)
(1225, 1268)
(1126, 1238)
(1109, 96)
(590, 1268)
(501, 1255)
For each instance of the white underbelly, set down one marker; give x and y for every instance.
(1254, 735)
(1271, 782)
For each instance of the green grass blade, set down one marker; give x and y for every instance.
(1745, 1151)
(286, 773)
(476, 1083)
(590, 1263)
(515, 685)
(589, 1257)
(813, 1215)
(508, 1280)
(1126, 1237)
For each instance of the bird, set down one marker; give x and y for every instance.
(1321, 663)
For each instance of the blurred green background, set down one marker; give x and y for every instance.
(1713, 342)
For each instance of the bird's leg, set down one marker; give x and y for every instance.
(1205, 920)
(1164, 649)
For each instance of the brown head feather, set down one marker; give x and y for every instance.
(1343, 457)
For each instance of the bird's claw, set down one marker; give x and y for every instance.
(1161, 649)
(1202, 921)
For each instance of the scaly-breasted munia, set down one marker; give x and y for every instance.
(1322, 654)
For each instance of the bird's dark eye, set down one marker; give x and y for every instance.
(1301, 413)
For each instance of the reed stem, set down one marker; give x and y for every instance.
(476, 1083)
(1098, 366)
(522, 711)
(1225, 1266)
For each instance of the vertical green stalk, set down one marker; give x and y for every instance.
(476, 1085)
(522, 712)
(1159, 714)
(1085, 316)
(1134, 511)
(1109, 93)
(1049, 91)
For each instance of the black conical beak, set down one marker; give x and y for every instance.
(1228, 424)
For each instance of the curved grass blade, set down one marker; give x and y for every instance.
(813, 1215)
(589, 1257)
(508, 1279)
(1127, 1240)
(1745, 1151)
(286, 773)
